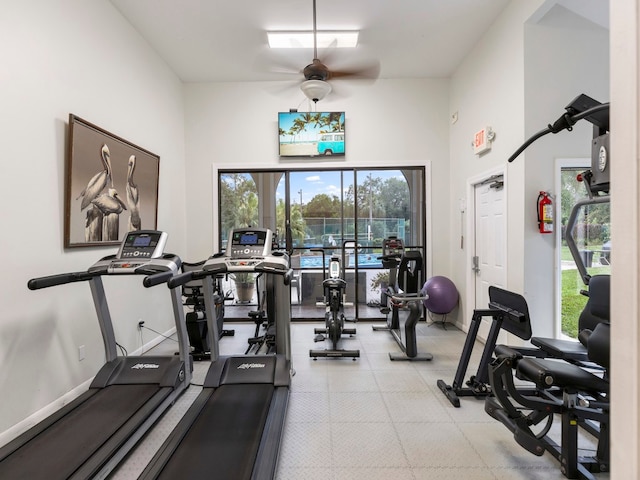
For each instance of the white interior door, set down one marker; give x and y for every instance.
(490, 241)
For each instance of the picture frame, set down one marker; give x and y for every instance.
(311, 134)
(111, 186)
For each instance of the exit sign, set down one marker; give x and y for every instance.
(482, 140)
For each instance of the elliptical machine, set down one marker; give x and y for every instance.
(403, 292)
(334, 286)
(392, 251)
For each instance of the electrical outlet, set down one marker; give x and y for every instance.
(81, 353)
(140, 323)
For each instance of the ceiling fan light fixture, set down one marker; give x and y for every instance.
(315, 89)
(304, 39)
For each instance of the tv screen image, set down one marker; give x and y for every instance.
(309, 134)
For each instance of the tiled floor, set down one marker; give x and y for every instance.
(376, 419)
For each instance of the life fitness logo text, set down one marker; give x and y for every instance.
(247, 366)
(145, 366)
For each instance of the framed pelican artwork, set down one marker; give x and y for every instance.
(111, 187)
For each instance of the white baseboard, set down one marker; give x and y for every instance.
(153, 342)
(44, 412)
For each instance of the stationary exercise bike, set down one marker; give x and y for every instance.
(334, 287)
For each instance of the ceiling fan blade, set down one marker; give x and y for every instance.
(369, 71)
(277, 63)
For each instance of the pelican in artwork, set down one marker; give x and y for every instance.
(93, 225)
(99, 181)
(110, 206)
(133, 197)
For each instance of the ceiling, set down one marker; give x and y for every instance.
(218, 41)
(225, 40)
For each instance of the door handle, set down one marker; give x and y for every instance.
(476, 264)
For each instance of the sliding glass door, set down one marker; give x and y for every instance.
(331, 212)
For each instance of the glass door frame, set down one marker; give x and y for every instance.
(418, 214)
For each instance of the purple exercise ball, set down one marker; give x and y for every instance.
(443, 295)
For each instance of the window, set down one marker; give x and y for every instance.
(592, 235)
(340, 211)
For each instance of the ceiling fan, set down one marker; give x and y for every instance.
(316, 74)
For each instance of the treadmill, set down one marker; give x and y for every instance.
(234, 427)
(89, 436)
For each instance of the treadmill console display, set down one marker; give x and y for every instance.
(142, 244)
(249, 250)
(246, 243)
(142, 248)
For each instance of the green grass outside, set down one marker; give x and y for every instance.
(572, 301)
(565, 253)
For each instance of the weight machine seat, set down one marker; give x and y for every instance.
(596, 311)
(562, 349)
(599, 345)
(598, 306)
(547, 373)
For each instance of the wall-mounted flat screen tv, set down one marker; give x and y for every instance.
(309, 134)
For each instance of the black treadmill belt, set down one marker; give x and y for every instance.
(224, 439)
(62, 448)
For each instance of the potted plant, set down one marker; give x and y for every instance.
(245, 285)
(380, 280)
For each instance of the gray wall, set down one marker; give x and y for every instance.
(533, 61)
(390, 122)
(565, 55)
(61, 57)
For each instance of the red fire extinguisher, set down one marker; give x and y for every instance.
(545, 213)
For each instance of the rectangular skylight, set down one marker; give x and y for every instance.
(338, 39)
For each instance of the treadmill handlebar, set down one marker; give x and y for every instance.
(287, 273)
(157, 278)
(178, 280)
(59, 279)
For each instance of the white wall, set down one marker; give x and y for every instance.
(488, 90)
(389, 122)
(518, 79)
(61, 57)
(565, 55)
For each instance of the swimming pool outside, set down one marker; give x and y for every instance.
(365, 260)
